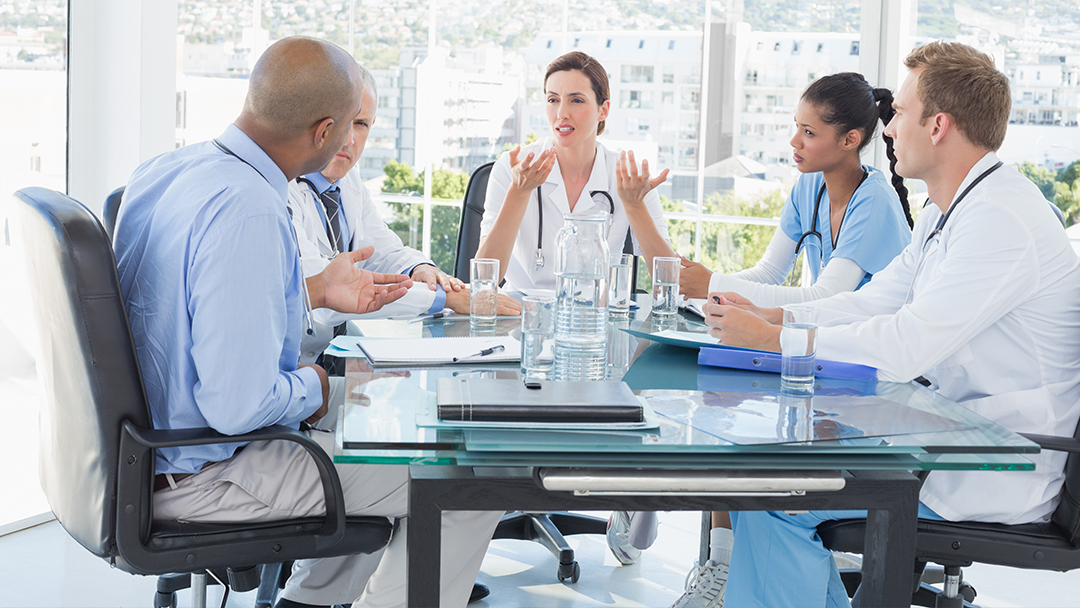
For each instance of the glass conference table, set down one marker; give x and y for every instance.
(724, 440)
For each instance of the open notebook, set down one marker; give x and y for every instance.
(427, 351)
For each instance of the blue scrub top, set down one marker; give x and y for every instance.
(874, 229)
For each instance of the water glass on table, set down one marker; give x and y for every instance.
(665, 276)
(619, 285)
(798, 346)
(537, 332)
(483, 292)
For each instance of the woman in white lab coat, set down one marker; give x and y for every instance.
(568, 172)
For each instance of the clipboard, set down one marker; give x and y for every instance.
(764, 361)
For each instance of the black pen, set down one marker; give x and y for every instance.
(487, 351)
(437, 315)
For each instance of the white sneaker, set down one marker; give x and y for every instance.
(618, 538)
(704, 587)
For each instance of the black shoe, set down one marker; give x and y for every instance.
(479, 592)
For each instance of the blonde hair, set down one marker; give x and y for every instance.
(963, 83)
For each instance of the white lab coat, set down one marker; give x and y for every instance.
(994, 324)
(522, 273)
(366, 228)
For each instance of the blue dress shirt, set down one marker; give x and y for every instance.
(210, 272)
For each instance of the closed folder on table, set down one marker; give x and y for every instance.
(764, 361)
(488, 400)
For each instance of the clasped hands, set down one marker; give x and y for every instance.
(736, 321)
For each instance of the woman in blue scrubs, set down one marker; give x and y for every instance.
(846, 217)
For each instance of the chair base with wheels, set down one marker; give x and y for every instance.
(549, 530)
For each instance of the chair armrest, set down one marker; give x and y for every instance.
(1051, 442)
(334, 496)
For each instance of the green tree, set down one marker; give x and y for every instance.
(1069, 174)
(1043, 177)
(408, 220)
(1067, 198)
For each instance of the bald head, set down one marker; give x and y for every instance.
(297, 83)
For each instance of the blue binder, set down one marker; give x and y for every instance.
(765, 361)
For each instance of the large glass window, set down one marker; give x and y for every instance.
(1038, 46)
(33, 120)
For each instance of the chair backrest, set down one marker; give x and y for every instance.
(88, 362)
(1067, 514)
(112, 207)
(1057, 212)
(472, 211)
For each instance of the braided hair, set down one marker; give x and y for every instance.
(846, 101)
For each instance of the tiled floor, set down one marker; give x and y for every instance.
(43, 568)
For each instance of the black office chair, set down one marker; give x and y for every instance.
(109, 211)
(1054, 545)
(97, 440)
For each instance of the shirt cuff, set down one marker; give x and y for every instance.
(408, 271)
(310, 403)
(440, 300)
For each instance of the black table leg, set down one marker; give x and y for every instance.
(424, 544)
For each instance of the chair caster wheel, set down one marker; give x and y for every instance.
(165, 600)
(967, 592)
(570, 571)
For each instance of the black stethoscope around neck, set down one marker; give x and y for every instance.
(814, 222)
(540, 225)
(941, 225)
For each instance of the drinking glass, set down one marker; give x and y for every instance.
(483, 292)
(665, 292)
(619, 285)
(537, 336)
(798, 345)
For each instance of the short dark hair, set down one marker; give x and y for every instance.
(591, 68)
(963, 83)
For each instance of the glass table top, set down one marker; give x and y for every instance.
(707, 416)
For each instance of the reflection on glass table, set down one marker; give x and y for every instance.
(708, 417)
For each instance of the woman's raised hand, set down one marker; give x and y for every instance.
(632, 184)
(530, 172)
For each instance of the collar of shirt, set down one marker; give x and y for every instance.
(599, 179)
(247, 150)
(976, 170)
(319, 180)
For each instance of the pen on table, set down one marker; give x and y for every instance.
(487, 351)
(437, 315)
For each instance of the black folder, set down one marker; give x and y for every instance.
(488, 400)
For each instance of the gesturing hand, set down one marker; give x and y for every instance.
(632, 185)
(528, 173)
(345, 288)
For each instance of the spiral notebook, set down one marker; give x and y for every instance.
(427, 351)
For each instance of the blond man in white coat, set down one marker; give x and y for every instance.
(984, 303)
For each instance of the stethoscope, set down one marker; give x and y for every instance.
(940, 225)
(540, 226)
(309, 323)
(814, 223)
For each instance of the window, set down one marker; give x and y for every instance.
(669, 77)
(636, 125)
(608, 44)
(549, 44)
(577, 41)
(636, 99)
(641, 44)
(795, 47)
(637, 73)
(751, 77)
(776, 47)
(667, 98)
(820, 47)
(671, 47)
(854, 48)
